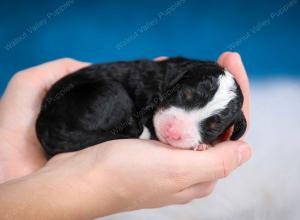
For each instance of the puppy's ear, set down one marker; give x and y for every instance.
(239, 126)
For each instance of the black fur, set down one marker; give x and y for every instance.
(113, 101)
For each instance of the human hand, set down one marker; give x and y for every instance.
(117, 176)
(21, 154)
(20, 151)
(113, 176)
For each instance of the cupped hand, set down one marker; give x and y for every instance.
(113, 176)
(123, 175)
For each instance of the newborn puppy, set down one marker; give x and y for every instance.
(181, 102)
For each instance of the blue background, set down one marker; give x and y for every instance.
(92, 30)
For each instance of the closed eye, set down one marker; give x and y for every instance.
(214, 122)
(213, 125)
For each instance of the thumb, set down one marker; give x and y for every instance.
(227, 156)
(215, 163)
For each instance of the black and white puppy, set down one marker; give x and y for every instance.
(182, 102)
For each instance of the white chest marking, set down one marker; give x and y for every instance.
(145, 134)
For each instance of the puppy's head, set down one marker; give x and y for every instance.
(205, 104)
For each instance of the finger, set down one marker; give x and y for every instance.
(196, 191)
(25, 91)
(233, 63)
(45, 75)
(161, 58)
(192, 167)
(221, 58)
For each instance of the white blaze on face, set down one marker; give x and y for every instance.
(180, 128)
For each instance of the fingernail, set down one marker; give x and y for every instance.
(244, 153)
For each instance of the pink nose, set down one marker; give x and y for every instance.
(172, 132)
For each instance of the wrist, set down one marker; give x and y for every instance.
(85, 190)
(17, 160)
(56, 194)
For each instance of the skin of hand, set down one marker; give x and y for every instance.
(111, 177)
(20, 151)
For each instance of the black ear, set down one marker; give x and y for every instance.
(239, 126)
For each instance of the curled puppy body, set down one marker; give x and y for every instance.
(182, 102)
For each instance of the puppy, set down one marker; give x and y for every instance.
(181, 102)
